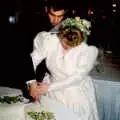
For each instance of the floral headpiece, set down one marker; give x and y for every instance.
(82, 24)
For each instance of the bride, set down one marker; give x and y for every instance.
(69, 60)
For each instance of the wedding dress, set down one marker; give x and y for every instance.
(70, 81)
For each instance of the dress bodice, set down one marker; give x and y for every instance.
(75, 66)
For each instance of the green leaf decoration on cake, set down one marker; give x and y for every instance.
(9, 99)
(41, 115)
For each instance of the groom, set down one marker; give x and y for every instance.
(55, 14)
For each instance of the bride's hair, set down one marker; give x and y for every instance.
(73, 35)
(75, 31)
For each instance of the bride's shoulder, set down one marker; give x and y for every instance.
(43, 34)
(93, 49)
(47, 39)
(89, 48)
(86, 47)
(47, 35)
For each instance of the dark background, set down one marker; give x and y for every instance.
(17, 38)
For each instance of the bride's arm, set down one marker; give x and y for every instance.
(39, 49)
(84, 65)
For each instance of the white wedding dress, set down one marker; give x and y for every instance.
(70, 81)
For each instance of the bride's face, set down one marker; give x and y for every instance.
(65, 45)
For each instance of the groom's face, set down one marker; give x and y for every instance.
(56, 17)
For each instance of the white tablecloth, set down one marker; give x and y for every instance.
(61, 112)
(108, 99)
(107, 86)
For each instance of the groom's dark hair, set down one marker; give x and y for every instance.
(56, 5)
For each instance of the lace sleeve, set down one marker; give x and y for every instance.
(39, 49)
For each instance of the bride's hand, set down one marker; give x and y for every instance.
(43, 88)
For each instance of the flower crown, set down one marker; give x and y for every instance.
(82, 24)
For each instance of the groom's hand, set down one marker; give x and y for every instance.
(34, 91)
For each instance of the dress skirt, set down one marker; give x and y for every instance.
(81, 99)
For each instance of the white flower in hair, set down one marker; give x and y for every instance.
(86, 23)
(81, 24)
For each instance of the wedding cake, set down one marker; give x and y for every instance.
(13, 111)
(7, 91)
(13, 106)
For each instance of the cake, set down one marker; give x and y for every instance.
(7, 91)
(13, 111)
(13, 106)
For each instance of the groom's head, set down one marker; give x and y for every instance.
(56, 11)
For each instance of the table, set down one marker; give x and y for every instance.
(61, 112)
(107, 85)
(108, 99)
(16, 111)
